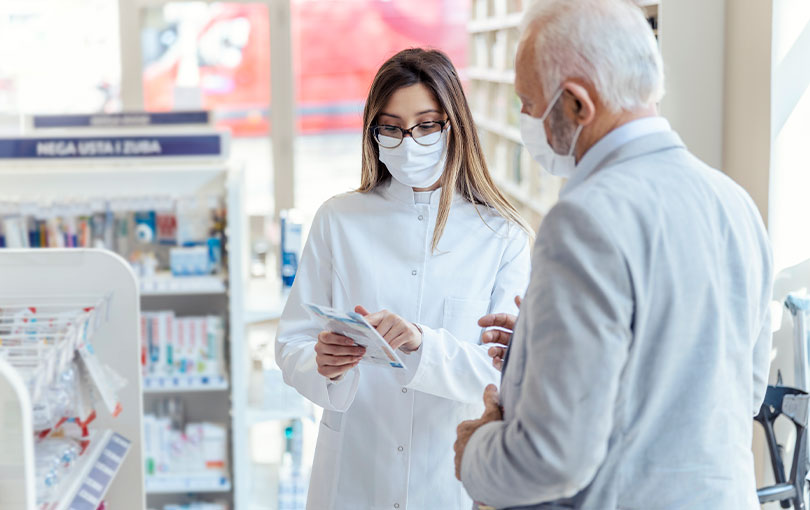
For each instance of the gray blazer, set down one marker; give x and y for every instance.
(641, 351)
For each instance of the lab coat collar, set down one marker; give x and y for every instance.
(403, 193)
(642, 136)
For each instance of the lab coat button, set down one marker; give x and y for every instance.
(421, 217)
(401, 448)
(404, 390)
(413, 272)
(396, 505)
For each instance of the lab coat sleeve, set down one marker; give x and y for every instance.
(297, 333)
(762, 361)
(577, 338)
(459, 368)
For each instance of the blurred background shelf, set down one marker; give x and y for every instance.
(168, 285)
(495, 23)
(190, 483)
(184, 383)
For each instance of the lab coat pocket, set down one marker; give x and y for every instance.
(326, 467)
(461, 318)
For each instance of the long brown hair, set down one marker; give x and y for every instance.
(466, 169)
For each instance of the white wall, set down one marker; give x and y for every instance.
(790, 133)
(691, 33)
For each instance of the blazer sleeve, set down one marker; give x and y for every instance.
(576, 339)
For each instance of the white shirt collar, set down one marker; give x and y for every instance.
(403, 193)
(620, 136)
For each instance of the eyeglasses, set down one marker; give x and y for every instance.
(424, 133)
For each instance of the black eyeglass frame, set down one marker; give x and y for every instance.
(375, 131)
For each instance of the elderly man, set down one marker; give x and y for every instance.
(641, 351)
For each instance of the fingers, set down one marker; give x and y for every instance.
(336, 354)
(500, 320)
(497, 362)
(518, 301)
(336, 361)
(376, 318)
(492, 404)
(340, 350)
(335, 345)
(332, 371)
(388, 325)
(491, 398)
(495, 336)
(361, 310)
(497, 352)
(400, 339)
(327, 337)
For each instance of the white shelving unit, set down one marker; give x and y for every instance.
(167, 285)
(216, 399)
(110, 468)
(193, 483)
(494, 36)
(184, 383)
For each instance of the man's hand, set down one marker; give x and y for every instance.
(336, 354)
(466, 429)
(498, 336)
(398, 332)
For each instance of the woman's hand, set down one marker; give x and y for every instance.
(498, 336)
(399, 333)
(336, 354)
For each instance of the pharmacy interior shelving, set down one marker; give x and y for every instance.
(207, 398)
(494, 35)
(218, 398)
(56, 289)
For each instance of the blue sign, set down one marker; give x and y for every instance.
(111, 147)
(131, 119)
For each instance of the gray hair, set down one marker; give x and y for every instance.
(606, 42)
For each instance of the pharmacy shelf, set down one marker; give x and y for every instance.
(522, 196)
(272, 312)
(167, 285)
(184, 383)
(510, 132)
(255, 415)
(491, 75)
(188, 483)
(495, 23)
(88, 481)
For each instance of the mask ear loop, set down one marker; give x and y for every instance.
(575, 140)
(554, 99)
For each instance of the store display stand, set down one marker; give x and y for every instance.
(46, 277)
(26, 177)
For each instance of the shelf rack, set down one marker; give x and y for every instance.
(110, 468)
(494, 36)
(217, 399)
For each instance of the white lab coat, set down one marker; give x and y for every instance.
(386, 437)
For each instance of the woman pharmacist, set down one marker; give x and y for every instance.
(428, 244)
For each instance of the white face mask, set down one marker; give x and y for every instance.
(415, 165)
(533, 133)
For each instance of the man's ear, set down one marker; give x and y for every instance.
(578, 104)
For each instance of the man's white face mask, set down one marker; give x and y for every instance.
(416, 165)
(533, 133)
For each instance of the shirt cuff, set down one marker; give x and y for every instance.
(342, 391)
(424, 359)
